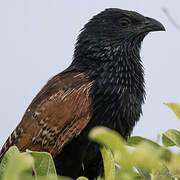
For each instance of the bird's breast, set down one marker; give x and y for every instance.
(116, 107)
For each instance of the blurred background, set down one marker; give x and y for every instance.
(37, 39)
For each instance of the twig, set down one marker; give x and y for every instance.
(170, 18)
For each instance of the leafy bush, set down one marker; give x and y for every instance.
(137, 159)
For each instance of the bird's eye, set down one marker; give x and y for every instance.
(124, 22)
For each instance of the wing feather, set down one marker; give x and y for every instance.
(57, 114)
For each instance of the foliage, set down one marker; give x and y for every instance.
(137, 159)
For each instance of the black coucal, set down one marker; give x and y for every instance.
(104, 86)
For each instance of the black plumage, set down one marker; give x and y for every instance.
(104, 86)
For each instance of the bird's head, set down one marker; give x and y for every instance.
(112, 30)
(119, 25)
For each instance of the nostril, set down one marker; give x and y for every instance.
(147, 21)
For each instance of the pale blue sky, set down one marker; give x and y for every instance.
(37, 39)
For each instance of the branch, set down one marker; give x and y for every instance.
(170, 18)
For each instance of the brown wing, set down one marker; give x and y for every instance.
(58, 113)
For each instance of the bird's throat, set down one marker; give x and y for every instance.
(118, 92)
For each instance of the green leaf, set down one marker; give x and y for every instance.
(135, 140)
(165, 171)
(146, 156)
(64, 178)
(18, 164)
(26, 176)
(13, 150)
(100, 178)
(171, 138)
(126, 176)
(114, 142)
(144, 173)
(43, 164)
(54, 178)
(122, 173)
(109, 164)
(82, 178)
(165, 154)
(107, 137)
(159, 177)
(175, 108)
(174, 166)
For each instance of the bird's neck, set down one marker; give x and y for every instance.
(118, 92)
(124, 70)
(116, 66)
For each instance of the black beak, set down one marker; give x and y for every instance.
(151, 24)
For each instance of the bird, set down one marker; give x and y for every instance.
(103, 86)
